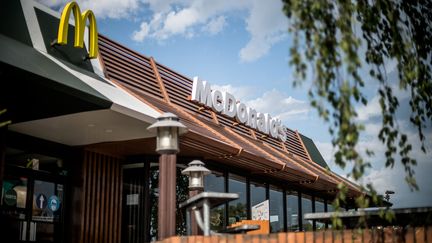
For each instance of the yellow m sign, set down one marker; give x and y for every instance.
(80, 22)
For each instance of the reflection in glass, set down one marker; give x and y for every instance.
(47, 201)
(292, 211)
(44, 231)
(258, 193)
(154, 197)
(319, 208)
(276, 210)
(237, 208)
(16, 157)
(306, 208)
(215, 182)
(47, 208)
(12, 208)
(330, 208)
(182, 193)
(14, 192)
(134, 198)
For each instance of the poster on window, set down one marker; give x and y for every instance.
(261, 211)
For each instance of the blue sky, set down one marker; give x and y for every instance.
(242, 47)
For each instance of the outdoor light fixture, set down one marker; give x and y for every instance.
(168, 128)
(196, 172)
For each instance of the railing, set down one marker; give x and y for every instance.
(388, 234)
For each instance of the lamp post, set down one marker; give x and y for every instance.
(387, 195)
(196, 172)
(168, 129)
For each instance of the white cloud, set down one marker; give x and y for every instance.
(390, 178)
(327, 151)
(114, 9)
(274, 102)
(371, 110)
(393, 179)
(280, 105)
(390, 65)
(383, 178)
(215, 26)
(267, 26)
(141, 34)
(371, 130)
(111, 8)
(163, 6)
(180, 17)
(242, 93)
(178, 22)
(265, 22)
(256, 48)
(53, 3)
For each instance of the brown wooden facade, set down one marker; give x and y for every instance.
(214, 136)
(101, 198)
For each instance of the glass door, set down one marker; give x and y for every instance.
(46, 217)
(31, 207)
(13, 217)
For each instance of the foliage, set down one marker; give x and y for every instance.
(336, 43)
(217, 218)
(236, 212)
(182, 194)
(154, 197)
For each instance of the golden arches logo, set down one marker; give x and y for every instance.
(80, 22)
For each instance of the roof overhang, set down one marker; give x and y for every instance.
(50, 98)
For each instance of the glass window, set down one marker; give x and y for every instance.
(215, 182)
(330, 208)
(306, 208)
(14, 192)
(182, 194)
(134, 203)
(258, 193)
(47, 201)
(16, 157)
(319, 208)
(237, 208)
(154, 197)
(276, 210)
(292, 211)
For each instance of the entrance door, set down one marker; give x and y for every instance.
(31, 206)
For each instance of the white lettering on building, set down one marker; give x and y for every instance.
(226, 103)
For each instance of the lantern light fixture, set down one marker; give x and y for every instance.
(168, 129)
(196, 172)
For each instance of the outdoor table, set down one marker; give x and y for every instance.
(207, 200)
(241, 229)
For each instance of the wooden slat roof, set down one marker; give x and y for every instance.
(215, 135)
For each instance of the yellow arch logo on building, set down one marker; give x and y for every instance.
(80, 22)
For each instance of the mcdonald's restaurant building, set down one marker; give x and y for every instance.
(78, 164)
